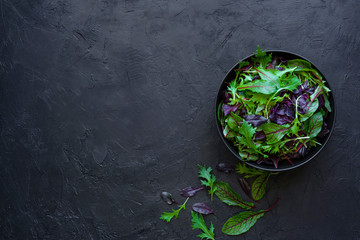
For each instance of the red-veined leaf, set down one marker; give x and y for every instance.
(242, 222)
(258, 186)
(274, 132)
(230, 197)
(315, 124)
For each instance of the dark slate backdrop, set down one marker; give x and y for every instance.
(104, 104)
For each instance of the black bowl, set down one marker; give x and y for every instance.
(283, 165)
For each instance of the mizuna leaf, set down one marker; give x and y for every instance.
(242, 222)
(202, 208)
(274, 132)
(199, 223)
(315, 124)
(247, 130)
(209, 181)
(261, 57)
(167, 216)
(248, 172)
(230, 197)
(258, 186)
(260, 86)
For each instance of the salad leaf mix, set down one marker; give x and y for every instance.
(274, 108)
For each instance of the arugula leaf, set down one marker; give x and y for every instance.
(258, 186)
(248, 172)
(274, 132)
(199, 223)
(315, 124)
(209, 179)
(242, 222)
(167, 216)
(228, 196)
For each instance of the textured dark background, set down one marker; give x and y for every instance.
(104, 104)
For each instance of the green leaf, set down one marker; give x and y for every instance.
(246, 156)
(209, 181)
(258, 186)
(273, 75)
(260, 98)
(295, 128)
(227, 132)
(262, 58)
(290, 83)
(310, 110)
(259, 86)
(248, 172)
(167, 216)
(299, 63)
(230, 197)
(247, 130)
(327, 103)
(315, 125)
(243, 64)
(199, 223)
(274, 132)
(242, 222)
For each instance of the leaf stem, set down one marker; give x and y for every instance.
(277, 200)
(286, 157)
(267, 103)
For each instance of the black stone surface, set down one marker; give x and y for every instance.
(104, 104)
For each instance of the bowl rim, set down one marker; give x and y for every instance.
(253, 163)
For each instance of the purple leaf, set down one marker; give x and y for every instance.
(245, 187)
(226, 96)
(324, 131)
(190, 191)
(283, 112)
(260, 135)
(321, 102)
(167, 197)
(255, 120)
(303, 150)
(225, 167)
(202, 208)
(271, 65)
(228, 108)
